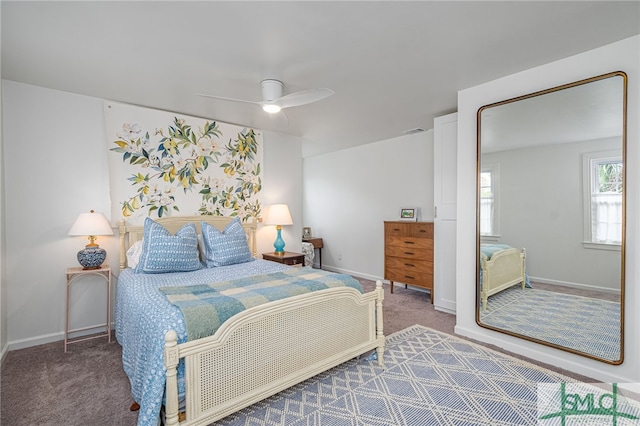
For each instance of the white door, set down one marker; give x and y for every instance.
(445, 152)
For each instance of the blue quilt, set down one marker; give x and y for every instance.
(206, 307)
(488, 250)
(143, 315)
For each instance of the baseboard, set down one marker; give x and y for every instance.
(51, 338)
(446, 308)
(574, 285)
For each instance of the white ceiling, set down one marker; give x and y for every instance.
(393, 65)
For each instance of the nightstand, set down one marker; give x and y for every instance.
(72, 275)
(288, 258)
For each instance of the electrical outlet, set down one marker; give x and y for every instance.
(340, 256)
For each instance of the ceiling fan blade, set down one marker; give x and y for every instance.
(279, 119)
(302, 98)
(228, 99)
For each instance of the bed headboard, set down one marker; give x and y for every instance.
(131, 234)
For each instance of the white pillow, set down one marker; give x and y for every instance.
(133, 254)
(201, 249)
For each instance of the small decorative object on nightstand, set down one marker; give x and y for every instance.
(278, 215)
(91, 224)
(288, 258)
(306, 232)
(72, 274)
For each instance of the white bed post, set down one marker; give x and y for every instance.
(379, 323)
(171, 359)
(122, 230)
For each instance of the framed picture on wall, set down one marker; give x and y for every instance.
(409, 214)
(306, 232)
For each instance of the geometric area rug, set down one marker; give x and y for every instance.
(433, 378)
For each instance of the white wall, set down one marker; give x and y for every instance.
(348, 195)
(282, 184)
(541, 209)
(55, 158)
(3, 269)
(625, 56)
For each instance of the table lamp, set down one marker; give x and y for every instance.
(91, 224)
(279, 215)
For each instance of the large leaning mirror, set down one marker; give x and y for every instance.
(551, 217)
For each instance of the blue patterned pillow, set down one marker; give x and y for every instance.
(227, 247)
(163, 252)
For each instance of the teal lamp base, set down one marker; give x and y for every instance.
(279, 243)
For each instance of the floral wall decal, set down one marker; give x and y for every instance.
(162, 163)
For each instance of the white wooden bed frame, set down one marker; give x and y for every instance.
(505, 269)
(266, 349)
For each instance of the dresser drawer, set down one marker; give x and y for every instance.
(413, 277)
(409, 264)
(410, 243)
(420, 254)
(409, 229)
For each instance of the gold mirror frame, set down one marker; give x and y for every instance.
(623, 225)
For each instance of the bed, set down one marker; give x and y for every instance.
(501, 267)
(253, 354)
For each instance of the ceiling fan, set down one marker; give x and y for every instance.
(273, 101)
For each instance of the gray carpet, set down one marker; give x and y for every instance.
(87, 386)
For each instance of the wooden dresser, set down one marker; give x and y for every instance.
(408, 254)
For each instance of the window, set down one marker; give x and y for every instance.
(489, 200)
(603, 183)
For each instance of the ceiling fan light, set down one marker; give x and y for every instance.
(271, 108)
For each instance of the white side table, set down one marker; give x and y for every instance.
(72, 275)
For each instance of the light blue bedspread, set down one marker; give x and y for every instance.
(143, 315)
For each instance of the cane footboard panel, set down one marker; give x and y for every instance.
(263, 351)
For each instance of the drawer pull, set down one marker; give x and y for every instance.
(411, 265)
(410, 277)
(409, 242)
(396, 229)
(423, 230)
(409, 253)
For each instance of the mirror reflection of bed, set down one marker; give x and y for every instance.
(550, 179)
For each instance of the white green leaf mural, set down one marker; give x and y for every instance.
(163, 163)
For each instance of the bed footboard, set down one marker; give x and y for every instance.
(505, 269)
(269, 348)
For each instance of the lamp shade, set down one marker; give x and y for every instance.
(278, 215)
(91, 224)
